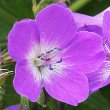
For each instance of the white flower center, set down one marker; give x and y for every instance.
(48, 60)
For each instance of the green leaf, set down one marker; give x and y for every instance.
(106, 93)
(10, 97)
(53, 104)
(97, 102)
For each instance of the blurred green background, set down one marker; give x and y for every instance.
(14, 10)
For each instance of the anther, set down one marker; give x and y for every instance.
(42, 59)
(50, 67)
(57, 49)
(59, 61)
(49, 51)
(40, 55)
(47, 59)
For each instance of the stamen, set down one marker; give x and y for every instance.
(43, 66)
(42, 59)
(50, 67)
(49, 51)
(47, 59)
(59, 61)
(52, 50)
(40, 56)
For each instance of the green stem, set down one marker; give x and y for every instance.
(27, 104)
(41, 2)
(36, 7)
(21, 106)
(5, 54)
(24, 103)
(78, 4)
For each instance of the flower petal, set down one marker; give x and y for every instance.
(82, 19)
(92, 28)
(27, 81)
(85, 53)
(21, 38)
(14, 107)
(99, 78)
(106, 25)
(55, 23)
(67, 86)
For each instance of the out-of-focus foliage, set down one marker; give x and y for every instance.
(13, 10)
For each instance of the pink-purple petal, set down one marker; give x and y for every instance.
(27, 81)
(55, 23)
(68, 86)
(106, 25)
(100, 77)
(86, 53)
(82, 20)
(92, 28)
(21, 38)
(14, 107)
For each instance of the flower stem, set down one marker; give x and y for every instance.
(78, 4)
(24, 103)
(6, 59)
(20, 106)
(36, 7)
(27, 104)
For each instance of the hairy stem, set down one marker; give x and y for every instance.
(36, 7)
(20, 106)
(24, 103)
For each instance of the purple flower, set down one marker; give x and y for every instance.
(82, 19)
(99, 24)
(14, 107)
(50, 53)
(103, 78)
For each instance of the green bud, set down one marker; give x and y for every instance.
(3, 77)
